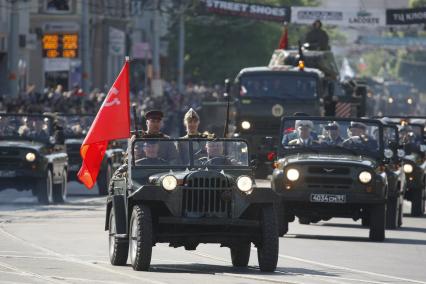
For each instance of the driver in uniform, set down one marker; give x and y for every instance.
(215, 155)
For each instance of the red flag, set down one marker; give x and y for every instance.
(284, 39)
(111, 122)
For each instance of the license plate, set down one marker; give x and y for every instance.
(7, 174)
(328, 198)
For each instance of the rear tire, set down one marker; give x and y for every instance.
(240, 254)
(59, 193)
(268, 248)
(118, 248)
(104, 178)
(418, 202)
(377, 222)
(281, 219)
(45, 189)
(140, 237)
(392, 213)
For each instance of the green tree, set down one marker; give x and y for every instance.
(217, 47)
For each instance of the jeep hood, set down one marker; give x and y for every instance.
(324, 158)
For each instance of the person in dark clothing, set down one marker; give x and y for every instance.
(150, 151)
(317, 37)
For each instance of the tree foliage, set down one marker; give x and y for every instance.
(217, 47)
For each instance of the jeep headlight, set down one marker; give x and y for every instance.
(365, 177)
(30, 157)
(408, 168)
(292, 174)
(244, 183)
(169, 183)
(245, 125)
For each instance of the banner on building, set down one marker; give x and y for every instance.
(253, 11)
(406, 16)
(393, 41)
(338, 17)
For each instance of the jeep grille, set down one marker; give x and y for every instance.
(329, 177)
(207, 197)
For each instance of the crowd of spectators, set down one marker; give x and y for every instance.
(173, 103)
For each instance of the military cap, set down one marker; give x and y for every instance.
(357, 124)
(150, 143)
(306, 123)
(154, 114)
(191, 114)
(332, 126)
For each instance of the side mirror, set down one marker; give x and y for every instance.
(423, 148)
(388, 153)
(401, 153)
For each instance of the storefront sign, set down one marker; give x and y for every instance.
(406, 16)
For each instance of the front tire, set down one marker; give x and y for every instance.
(267, 250)
(45, 189)
(118, 248)
(104, 178)
(59, 193)
(392, 213)
(240, 254)
(418, 202)
(140, 237)
(377, 222)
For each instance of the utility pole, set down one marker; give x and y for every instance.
(181, 52)
(13, 49)
(156, 82)
(85, 34)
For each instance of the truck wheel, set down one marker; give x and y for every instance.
(44, 189)
(418, 202)
(118, 248)
(59, 193)
(267, 251)
(392, 208)
(140, 237)
(377, 222)
(240, 254)
(104, 178)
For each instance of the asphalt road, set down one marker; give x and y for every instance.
(67, 244)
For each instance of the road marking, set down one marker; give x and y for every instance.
(78, 261)
(350, 269)
(28, 274)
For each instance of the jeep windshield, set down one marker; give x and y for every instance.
(77, 126)
(25, 127)
(322, 135)
(278, 85)
(190, 153)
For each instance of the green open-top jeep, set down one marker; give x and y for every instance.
(331, 167)
(185, 192)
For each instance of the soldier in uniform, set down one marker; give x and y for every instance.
(332, 134)
(191, 121)
(154, 120)
(317, 37)
(150, 153)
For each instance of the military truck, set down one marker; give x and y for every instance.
(33, 156)
(260, 96)
(75, 130)
(399, 97)
(205, 194)
(331, 167)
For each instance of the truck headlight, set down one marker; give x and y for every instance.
(245, 125)
(292, 174)
(365, 177)
(244, 183)
(408, 168)
(30, 157)
(169, 183)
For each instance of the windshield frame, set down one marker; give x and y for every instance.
(50, 133)
(191, 164)
(283, 73)
(283, 152)
(63, 117)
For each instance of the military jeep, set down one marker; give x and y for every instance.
(33, 157)
(185, 192)
(75, 129)
(331, 167)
